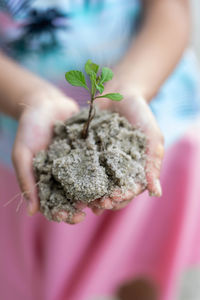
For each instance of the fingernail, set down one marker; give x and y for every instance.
(108, 204)
(78, 218)
(30, 208)
(99, 212)
(157, 189)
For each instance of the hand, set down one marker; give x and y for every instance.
(34, 133)
(137, 111)
(40, 110)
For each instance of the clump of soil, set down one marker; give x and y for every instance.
(74, 169)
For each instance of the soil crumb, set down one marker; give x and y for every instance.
(74, 170)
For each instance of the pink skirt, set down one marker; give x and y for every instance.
(156, 238)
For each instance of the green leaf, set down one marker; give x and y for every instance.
(76, 78)
(106, 75)
(112, 96)
(91, 67)
(99, 87)
(93, 82)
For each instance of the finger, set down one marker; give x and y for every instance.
(105, 203)
(39, 122)
(80, 205)
(71, 108)
(121, 205)
(155, 153)
(119, 196)
(126, 197)
(103, 103)
(97, 211)
(22, 160)
(101, 203)
(155, 146)
(67, 217)
(108, 202)
(60, 216)
(116, 195)
(115, 200)
(145, 120)
(77, 218)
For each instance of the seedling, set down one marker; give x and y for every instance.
(97, 80)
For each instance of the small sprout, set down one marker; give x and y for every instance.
(97, 81)
(112, 96)
(76, 78)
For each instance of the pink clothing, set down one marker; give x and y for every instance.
(157, 238)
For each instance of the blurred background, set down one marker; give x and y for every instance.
(195, 39)
(192, 278)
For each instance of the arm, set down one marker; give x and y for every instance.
(158, 47)
(16, 83)
(150, 59)
(37, 104)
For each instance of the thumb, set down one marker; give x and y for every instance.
(22, 161)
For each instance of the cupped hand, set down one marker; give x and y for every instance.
(42, 109)
(138, 113)
(39, 113)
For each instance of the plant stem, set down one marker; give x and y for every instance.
(90, 117)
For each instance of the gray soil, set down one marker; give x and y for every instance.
(73, 169)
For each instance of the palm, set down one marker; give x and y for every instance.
(34, 134)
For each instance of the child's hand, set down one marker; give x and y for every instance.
(34, 133)
(40, 111)
(137, 111)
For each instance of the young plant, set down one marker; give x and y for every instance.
(97, 80)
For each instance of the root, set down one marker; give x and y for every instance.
(11, 200)
(19, 204)
(21, 195)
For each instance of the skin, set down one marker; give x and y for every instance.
(139, 114)
(148, 62)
